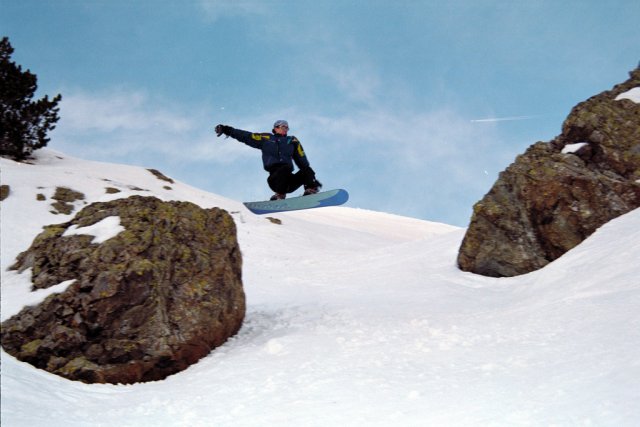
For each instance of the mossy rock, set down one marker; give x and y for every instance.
(144, 304)
(5, 190)
(64, 198)
(547, 201)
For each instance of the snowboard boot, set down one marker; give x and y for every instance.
(313, 188)
(278, 196)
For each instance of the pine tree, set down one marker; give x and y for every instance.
(23, 123)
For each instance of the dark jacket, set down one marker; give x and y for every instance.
(276, 149)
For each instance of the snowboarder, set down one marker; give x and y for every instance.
(279, 152)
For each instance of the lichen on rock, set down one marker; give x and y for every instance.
(144, 304)
(548, 201)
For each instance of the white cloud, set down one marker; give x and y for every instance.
(118, 111)
(116, 125)
(403, 148)
(358, 83)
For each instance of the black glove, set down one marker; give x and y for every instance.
(223, 129)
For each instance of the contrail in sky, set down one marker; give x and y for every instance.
(503, 119)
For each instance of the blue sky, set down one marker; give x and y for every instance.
(413, 106)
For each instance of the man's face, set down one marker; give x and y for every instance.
(282, 130)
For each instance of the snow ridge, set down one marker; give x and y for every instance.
(355, 318)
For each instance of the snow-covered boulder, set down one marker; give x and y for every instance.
(147, 288)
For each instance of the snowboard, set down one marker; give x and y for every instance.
(318, 200)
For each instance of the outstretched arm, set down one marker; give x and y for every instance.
(251, 139)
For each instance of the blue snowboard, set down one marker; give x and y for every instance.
(325, 198)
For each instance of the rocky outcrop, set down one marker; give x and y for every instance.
(5, 190)
(556, 194)
(147, 300)
(64, 199)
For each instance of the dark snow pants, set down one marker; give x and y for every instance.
(282, 179)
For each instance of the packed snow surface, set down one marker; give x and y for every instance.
(354, 318)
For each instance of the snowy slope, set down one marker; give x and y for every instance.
(357, 318)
